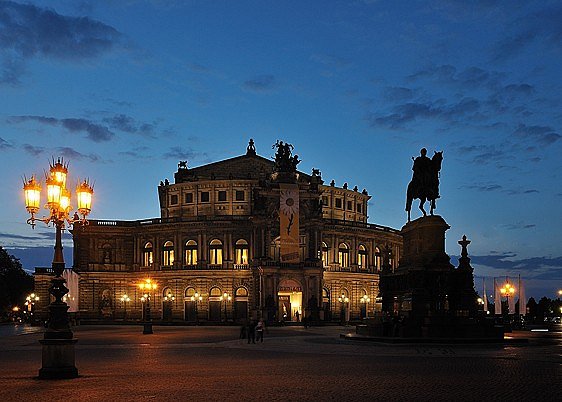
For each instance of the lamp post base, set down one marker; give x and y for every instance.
(58, 359)
(147, 328)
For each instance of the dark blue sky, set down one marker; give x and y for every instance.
(125, 89)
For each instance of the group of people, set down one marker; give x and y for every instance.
(253, 331)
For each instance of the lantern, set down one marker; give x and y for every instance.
(84, 197)
(32, 191)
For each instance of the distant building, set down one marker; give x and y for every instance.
(226, 227)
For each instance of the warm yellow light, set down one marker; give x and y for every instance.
(84, 194)
(65, 200)
(54, 190)
(58, 171)
(560, 292)
(32, 191)
(16, 309)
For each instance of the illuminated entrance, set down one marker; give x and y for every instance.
(290, 301)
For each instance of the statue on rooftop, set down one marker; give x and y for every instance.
(285, 162)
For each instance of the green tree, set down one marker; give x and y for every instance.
(15, 283)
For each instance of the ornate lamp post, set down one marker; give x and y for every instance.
(507, 290)
(344, 300)
(58, 342)
(167, 306)
(226, 298)
(147, 286)
(30, 305)
(197, 298)
(125, 299)
(365, 300)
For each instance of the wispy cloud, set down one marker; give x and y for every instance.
(71, 153)
(535, 267)
(260, 83)
(544, 135)
(28, 31)
(94, 131)
(180, 153)
(537, 27)
(4, 144)
(32, 149)
(128, 124)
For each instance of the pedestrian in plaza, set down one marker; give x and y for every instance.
(251, 330)
(298, 316)
(243, 330)
(260, 328)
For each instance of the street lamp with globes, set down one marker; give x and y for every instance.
(146, 287)
(58, 342)
(196, 298)
(225, 298)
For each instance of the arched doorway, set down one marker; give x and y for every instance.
(190, 309)
(241, 304)
(215, 304)
(167, 304)
(289, 295)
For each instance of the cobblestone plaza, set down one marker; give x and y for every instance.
(211, 363)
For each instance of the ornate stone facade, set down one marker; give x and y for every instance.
(219, 232)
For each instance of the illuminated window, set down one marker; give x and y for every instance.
(168, 254)
(189, 198)
(215, 292)
(378, 258)
(343, 255)
(191, 252)
(239, 195)
(362, 257)
(204, 196)
(215, 252)
(241, 252)
(222, 196)
(325, 261)
(147, 255)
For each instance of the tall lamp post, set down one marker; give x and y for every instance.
(507, 291)
(226, 298)
(196, 298)
(343, 299)
(146, 287)
(125, 299)
(365, 300)
(30, 305)
(167, 306)
(58, 343)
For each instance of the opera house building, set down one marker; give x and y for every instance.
(244, 237)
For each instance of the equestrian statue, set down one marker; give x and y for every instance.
(425, 181)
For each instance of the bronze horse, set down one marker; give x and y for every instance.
(426, 191)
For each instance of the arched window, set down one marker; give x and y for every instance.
(343, 255)
(241, 252)
(378, 258)
(215, 292)
(189, 292)
(147, 254)
(215, 252)
(241, 292)
(168, 254)
(191, 252)
(325, 260)
(362, 257)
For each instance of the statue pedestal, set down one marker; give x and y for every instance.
(58, 359)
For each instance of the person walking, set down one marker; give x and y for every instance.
(260, 328)
(251, 330)
(298, 316)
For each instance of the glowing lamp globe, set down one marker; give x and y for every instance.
(84, 194)
(65, 200)
(54, 191)
(32, 191)
(59, 171)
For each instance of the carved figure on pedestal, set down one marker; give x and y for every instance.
(425, 181)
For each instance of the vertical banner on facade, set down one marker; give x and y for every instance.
(289, 222)
(72, 280)
(497, 299)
